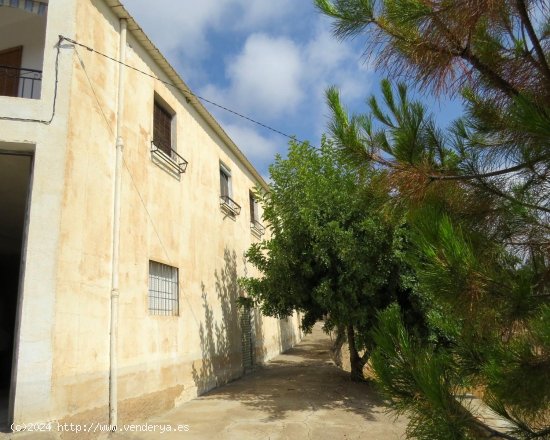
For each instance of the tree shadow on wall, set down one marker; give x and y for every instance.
(287, 335)
(221, 337)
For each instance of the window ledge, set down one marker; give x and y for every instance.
(174, 161)
(257, 228)
(230, 206)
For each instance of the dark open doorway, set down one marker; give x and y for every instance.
(15, 170)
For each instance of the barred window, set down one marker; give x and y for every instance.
(163, 289)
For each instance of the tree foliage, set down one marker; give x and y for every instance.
(477, 199)
(325, 256)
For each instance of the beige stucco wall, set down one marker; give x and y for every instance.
(163, 360)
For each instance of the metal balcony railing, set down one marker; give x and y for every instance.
(172, 160)
(20, 83)
(230, 205)
(257, 227)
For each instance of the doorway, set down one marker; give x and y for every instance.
(15, 172)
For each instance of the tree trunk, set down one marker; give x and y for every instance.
(357, 362)
(336, 348)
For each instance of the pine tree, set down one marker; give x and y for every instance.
(477, 202)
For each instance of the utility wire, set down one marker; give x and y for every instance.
(168, 83)
(93, 91)
(187, 92)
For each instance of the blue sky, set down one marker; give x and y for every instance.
(270, 60)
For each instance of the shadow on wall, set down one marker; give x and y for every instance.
(260, 349)
(288, 337)
(221, 340)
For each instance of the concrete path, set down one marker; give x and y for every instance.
(300, 394)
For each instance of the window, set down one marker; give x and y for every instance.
(163, 150)
(226, 192)
(163, 289)
(225, 182)
(162, 128)
(255, 224)
(253, 208)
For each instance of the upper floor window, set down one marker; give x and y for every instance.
(162, 128)
(253, 207)
(225, 182)
(226, 192)
(255, 224)
(164, 138)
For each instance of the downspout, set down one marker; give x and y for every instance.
(113, 335)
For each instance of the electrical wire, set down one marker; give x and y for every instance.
(44, 121)
(186, 92)
(189, 93)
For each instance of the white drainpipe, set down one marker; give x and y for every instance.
(113, 336)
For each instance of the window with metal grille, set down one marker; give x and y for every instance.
(162, 129)
(163, 289)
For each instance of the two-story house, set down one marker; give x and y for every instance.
(125, 213)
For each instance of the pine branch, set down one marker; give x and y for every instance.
(508, 197)
(458, 51)
(493, 76)
(485, 175)
(533, 36)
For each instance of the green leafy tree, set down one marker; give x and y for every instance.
(477, 198)
(326, 257)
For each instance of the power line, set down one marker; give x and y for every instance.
(187, 92)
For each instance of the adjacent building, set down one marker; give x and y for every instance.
(125, 213)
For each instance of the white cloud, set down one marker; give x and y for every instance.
(282, 83)
(181, 27)
(335, 63)
(175, 26)
(326, 52)
(256, 147)
(278, 76)
(256, 13)
(265, 79)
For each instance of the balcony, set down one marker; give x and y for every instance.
(22, 41)
(20, 83)
(230, 206)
